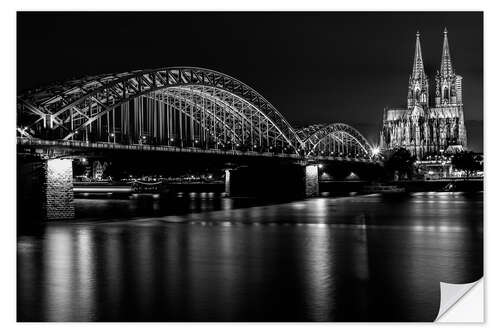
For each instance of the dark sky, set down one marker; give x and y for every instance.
(313, 67)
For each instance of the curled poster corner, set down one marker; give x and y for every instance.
(451, 295)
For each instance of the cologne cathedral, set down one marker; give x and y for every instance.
(423, 129)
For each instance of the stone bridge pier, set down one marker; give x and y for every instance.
(45, 188)
(273, 181)
(311, 180)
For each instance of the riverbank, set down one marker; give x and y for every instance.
(442, 185)
(326, 188)
(409, 186)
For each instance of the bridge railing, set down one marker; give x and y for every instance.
(71, 144)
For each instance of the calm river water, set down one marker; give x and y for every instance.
(200, 257)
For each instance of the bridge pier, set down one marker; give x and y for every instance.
(45, 189)
(58, 189)
(311, 180)
(227, 182)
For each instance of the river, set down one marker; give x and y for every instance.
(201, 257)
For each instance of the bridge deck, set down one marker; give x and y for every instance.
(83, 145)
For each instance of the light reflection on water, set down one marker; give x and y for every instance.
(357, 258)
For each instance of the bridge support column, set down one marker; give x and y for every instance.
(45, 189)
(311, 180)
(57, 189)
(227, 182)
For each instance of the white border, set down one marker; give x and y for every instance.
(8, 91)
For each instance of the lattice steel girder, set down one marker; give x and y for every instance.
(234, 114)
(240, 108)
(199, 109)
(105, 92)
(313, 135)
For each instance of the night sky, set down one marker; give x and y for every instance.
(313, 67)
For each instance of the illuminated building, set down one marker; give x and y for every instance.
(423, 129)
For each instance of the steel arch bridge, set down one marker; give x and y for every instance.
(186, 107)
(335, 140)
(182, 106)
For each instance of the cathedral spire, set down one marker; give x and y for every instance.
(418, 88)
(446, 67)
(418, 62)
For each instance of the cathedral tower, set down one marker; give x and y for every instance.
(418, 86)
(448, 84)
(428, 130)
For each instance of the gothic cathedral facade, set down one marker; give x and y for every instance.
(423, 129)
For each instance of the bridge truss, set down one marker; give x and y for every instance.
(184, 107)
(335, 140)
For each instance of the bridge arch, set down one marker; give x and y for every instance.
(186, 106)
(335, 140)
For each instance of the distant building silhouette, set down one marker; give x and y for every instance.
(425, 130)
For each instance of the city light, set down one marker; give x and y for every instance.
(375, 151)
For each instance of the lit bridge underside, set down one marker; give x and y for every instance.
(174, 109)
